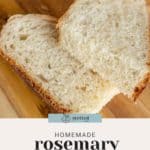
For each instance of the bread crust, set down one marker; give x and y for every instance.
(141, 87)
(47, 97)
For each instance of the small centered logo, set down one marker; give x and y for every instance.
(74, 118)
(66, 118)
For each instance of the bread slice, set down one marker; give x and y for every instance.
(29, 44)
(111, 37)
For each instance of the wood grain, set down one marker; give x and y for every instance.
(18, 100)
(5, 106)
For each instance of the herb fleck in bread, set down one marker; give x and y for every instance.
(29, 44)
(110, 37)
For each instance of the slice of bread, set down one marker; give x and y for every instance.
(110, 37)
(29, 44)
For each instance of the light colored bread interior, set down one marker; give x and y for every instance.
(111, 37)
(30, 40)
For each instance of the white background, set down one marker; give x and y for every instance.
(20, 134)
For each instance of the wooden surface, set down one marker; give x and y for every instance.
(18, 100)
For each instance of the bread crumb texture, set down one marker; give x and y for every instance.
(110, 37)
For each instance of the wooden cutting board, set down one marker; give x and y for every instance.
(18, 100)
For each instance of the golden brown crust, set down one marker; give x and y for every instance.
(140, 87)
(47, 97)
